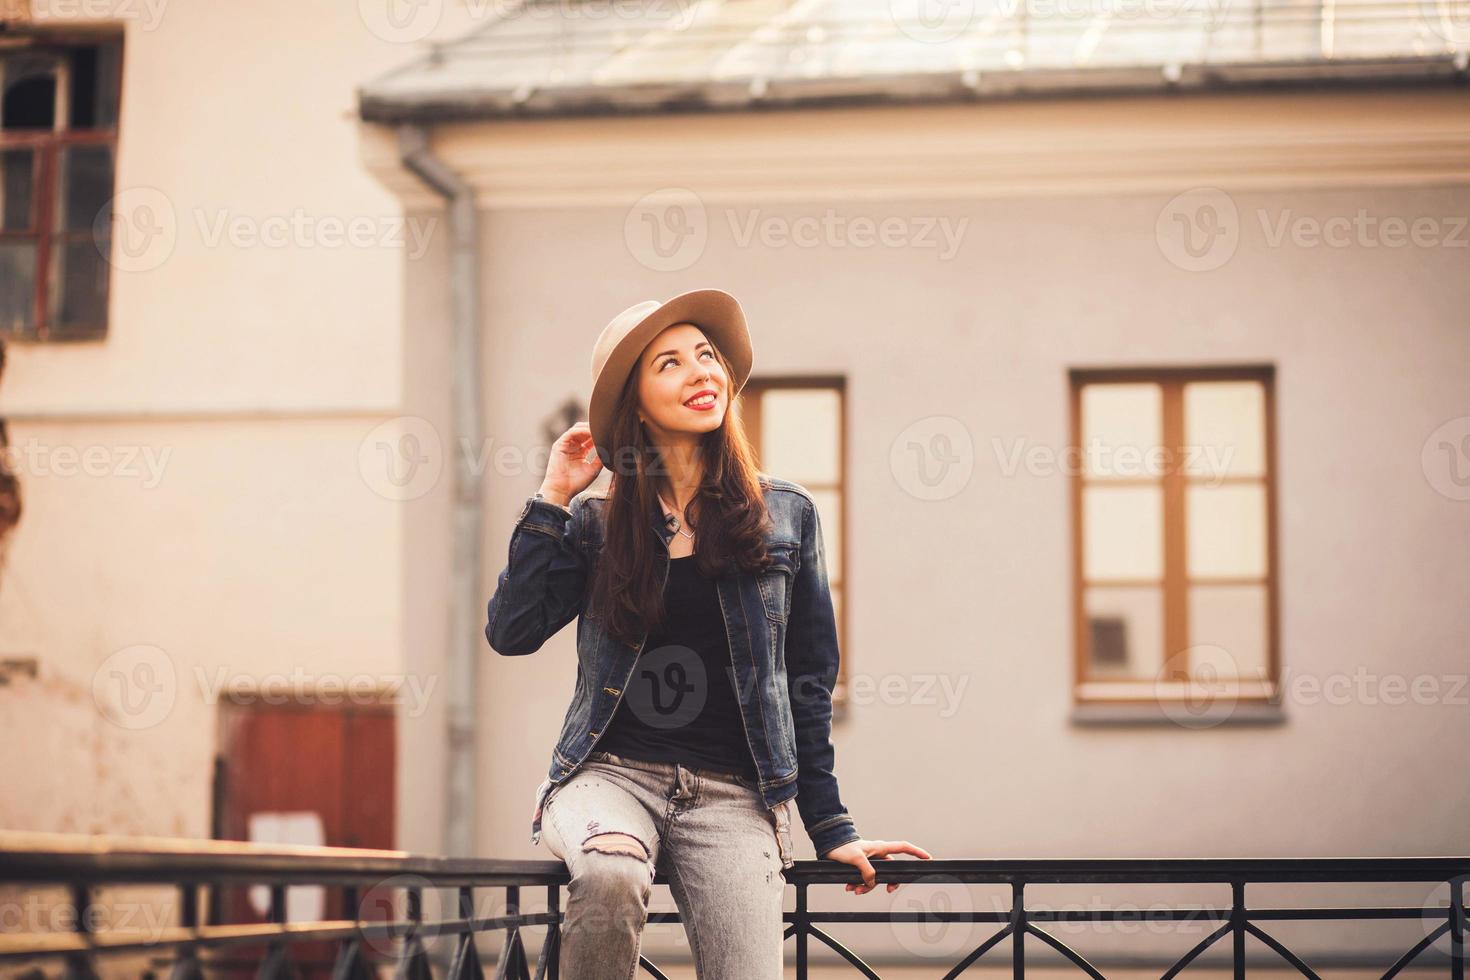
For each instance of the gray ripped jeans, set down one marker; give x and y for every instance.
(723, 853)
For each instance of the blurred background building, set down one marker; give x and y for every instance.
(295, 299)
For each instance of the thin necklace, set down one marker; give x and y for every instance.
(673, 519)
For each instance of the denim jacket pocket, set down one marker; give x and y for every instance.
(775, 583)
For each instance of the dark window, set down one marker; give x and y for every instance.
(58, 146)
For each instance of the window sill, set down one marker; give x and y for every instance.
(1180, 714)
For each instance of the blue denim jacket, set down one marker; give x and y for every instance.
(780, 624)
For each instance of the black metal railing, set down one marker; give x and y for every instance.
(394, 926)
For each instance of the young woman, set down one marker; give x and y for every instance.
(707, 652)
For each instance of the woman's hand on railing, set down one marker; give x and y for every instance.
(573, 465)
(857, 853)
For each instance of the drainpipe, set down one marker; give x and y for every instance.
(465, 627)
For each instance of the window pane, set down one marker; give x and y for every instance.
(799, 434)
(17, 188)
(1123, 532)
(77, 289)
(1225, 428)
(86, 188)
(94, 77)
(1227, 530)
(1231, 618)
(17, 286)
(1121, 417)
(1125, 633)
(30, 91)
(829, 511)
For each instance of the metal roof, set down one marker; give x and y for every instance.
(568, 57)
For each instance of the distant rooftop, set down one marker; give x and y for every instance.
(576, 57)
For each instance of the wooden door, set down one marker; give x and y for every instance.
(302, 774)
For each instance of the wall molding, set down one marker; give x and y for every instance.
(1075, 146)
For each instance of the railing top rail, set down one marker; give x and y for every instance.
(80, 859)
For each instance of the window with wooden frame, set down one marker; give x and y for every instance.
(58, 149)
(1173, 517)
(799, 430)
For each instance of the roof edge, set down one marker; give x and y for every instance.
(755, 95)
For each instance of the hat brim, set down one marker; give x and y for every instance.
(713, 311)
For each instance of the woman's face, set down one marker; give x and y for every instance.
(676, 368)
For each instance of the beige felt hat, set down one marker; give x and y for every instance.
(714, 311)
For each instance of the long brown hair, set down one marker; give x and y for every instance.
(727, 511)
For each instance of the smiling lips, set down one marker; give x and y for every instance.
(702, 402)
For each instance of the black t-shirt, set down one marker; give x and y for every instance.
(680, 705)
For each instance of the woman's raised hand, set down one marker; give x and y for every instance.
(573, 465)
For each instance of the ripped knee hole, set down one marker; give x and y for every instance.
(616, 842)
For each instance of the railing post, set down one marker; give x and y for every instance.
(413, 960)
(513, 952)
(466, 965)
(1018, 929)
(79, 965)
(549, 963)
(277, 963)
(351, 963)
(801, 925)
(186, 963)
(1237, 920)
(1457, 928)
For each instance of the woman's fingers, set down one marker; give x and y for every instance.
(881, 852)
